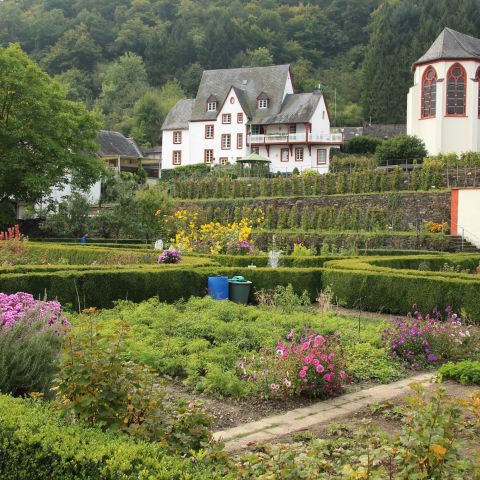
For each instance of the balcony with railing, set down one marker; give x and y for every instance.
(281, 138)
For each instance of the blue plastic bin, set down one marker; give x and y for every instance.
(218, 288)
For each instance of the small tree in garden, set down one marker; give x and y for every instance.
(152, 208)
(401, 149)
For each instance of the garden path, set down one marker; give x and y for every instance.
(271, 428)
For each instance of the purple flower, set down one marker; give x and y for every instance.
(170, 256)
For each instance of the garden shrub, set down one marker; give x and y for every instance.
(362, 144)
(466, 372)
(97, 386)
(306, 364)
(401, 149)
(422, 340)
(36, 445)
(366, 362)
(28, 354)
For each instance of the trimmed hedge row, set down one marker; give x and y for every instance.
(85, 255)
(102, 287)
(361, 240)
(36, 445)
(396, 293)
(359, 181)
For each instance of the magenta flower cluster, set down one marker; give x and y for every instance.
(19, 305)
(421, 340)
(170, 256)
(305, 365)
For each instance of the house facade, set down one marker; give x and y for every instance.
(444, 103)
(250, 110)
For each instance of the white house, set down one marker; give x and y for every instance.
(444, 103)
(250, 110)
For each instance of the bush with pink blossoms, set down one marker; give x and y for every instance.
(425, 340)
(16, 306)
(309, 364)
(170, 256)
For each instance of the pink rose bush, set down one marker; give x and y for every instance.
(425, 340)
(14, 307)
(310, 365)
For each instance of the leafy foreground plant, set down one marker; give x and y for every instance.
(429, 447)
(466, 372)
(98, 386)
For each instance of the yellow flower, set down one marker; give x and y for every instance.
(438, 450)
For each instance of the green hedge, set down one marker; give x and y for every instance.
(36, 445)
(119, 241)
(390, 285)
(361, 240)
(102, 287)
(359, 181)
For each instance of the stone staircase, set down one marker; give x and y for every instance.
(455, 245)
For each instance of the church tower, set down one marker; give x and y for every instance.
(444, 103)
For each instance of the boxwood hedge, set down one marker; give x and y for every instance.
(36, 445)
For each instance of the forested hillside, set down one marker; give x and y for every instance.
(132, 59)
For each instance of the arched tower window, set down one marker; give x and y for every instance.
(429, 93)
(477, 77)
(456, 90)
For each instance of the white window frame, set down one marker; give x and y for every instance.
(263, 103)
(208, 156)
(299, 158)
(282, 150)
(227, 118)
(211, 106)
(226, 141)
(176, 157)
(177, 137)
(223, 160)
(324, 154)
(207, 129)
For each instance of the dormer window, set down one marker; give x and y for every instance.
(262, 101)
(212, 103)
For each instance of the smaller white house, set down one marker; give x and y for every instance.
(240, 111)
(443, 106)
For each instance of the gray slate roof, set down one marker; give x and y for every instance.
(179, 115)
(296, 108)
(252, 81)
(114, 144)
(452, 44)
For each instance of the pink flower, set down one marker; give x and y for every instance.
(302, 373)
(307, 360)
(315, 361)
(331, 367)
(330, 357)
(290, 335)
(320, 368)
(327, 377)
(323, 358)
(342, 375)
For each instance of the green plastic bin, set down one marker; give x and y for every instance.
(239, 291)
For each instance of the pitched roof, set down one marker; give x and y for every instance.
(179, 115)
(452, 44)
(114, 144)
(250, 81)
(296, 108)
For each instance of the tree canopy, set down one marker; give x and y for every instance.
(45, 139)
(359, 51)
